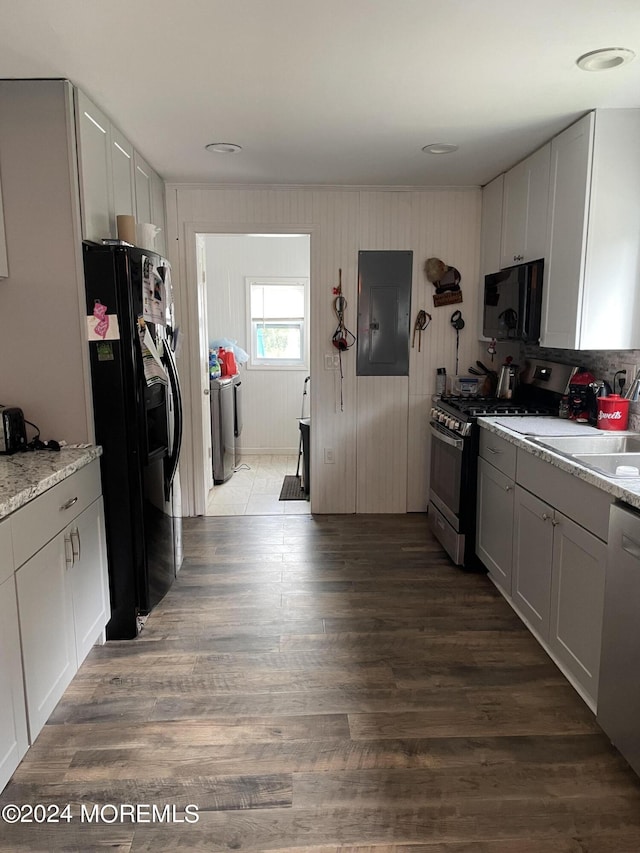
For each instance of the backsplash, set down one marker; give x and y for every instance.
(602, 363)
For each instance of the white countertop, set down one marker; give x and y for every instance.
(624, 488)
(24, 476)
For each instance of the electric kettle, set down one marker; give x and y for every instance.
(507, 380)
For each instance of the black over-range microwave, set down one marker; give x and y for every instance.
(513, 303)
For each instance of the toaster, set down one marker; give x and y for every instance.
(13, 431)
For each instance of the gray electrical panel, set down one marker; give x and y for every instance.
(384, 309)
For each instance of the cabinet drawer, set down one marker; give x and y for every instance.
(40, 520)
(6, 551)
(499, 452)
(587, 505)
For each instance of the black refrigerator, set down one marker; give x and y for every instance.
(138, 421)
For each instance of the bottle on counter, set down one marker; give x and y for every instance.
(215, 371)
(441, 380)
(563, 408)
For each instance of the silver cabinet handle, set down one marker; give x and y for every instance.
(69, 503)
(68, 551)
(508, 488)
(76, 552)
(545, 517)
(206, 392)
(555, 522)
(494, 451)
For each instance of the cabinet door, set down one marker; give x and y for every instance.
(532, 558)
(46, 629)
(124, 194)
(13, 717)
(525, 211)
(142, 172)
(157, 212)
(88, 573)
(491, 239)
(569, 189)
(577, 601)
(494, 534)
(514, 214)
(94, 163)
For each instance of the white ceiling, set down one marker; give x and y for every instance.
(329, 91)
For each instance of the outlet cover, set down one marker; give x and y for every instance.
(329, 458)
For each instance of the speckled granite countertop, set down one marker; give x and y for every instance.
(24, 476)
(624, 488)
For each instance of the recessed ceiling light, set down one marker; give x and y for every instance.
(223, 147)
(605, 59)
(440, 148)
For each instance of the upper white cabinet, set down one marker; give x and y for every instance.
(592, 269)
(157, 212)
(114, 179)
(524, 209)
(94, 167)
(124, 194)
(491, 237)
(143, 173)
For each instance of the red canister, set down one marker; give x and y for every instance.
(613, 412)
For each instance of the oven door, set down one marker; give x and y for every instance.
(446, 472)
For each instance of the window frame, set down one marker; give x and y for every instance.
(255, 362)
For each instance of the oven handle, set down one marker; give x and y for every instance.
(438, 432)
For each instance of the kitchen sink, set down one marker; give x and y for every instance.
(599, 444)
(608, 463)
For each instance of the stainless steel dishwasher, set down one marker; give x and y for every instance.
(619, 689)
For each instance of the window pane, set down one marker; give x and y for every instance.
(272, 301)
(279, 342)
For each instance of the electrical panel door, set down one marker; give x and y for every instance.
(384, 308)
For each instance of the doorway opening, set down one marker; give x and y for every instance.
(256, 303)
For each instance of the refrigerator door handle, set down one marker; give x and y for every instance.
(171, 461)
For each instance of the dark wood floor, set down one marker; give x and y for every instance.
(327, 684)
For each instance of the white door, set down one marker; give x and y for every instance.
(203, 332)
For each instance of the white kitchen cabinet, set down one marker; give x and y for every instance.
(532, 560)
(61, 583)
(591, 294)
(158, 216)
(494, 530)
(13, 717)
(124, 193)
(577, 602)
(525, 209)
(88, 572)
(143, 178)
(490, 238)
(46, 629)
(94, 168)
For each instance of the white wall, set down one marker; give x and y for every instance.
(272, 399)
(380, 439)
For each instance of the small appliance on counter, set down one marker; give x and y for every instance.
(507, 380)
(13, 431)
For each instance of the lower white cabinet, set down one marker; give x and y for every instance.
(577, 602)
(494, 529)
(46, 629)
(532, 560)
(85, 540)
(559, 573)
(13, 719)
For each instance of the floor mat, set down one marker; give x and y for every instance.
(292, 490)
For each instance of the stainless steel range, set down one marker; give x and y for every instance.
(454, 452)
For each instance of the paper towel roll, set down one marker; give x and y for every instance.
(126, 226)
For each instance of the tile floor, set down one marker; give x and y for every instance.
(255, 490)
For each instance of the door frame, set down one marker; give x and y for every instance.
(193, 358)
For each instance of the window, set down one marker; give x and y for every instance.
(278, 321)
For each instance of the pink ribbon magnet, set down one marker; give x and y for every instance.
(100, 313)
